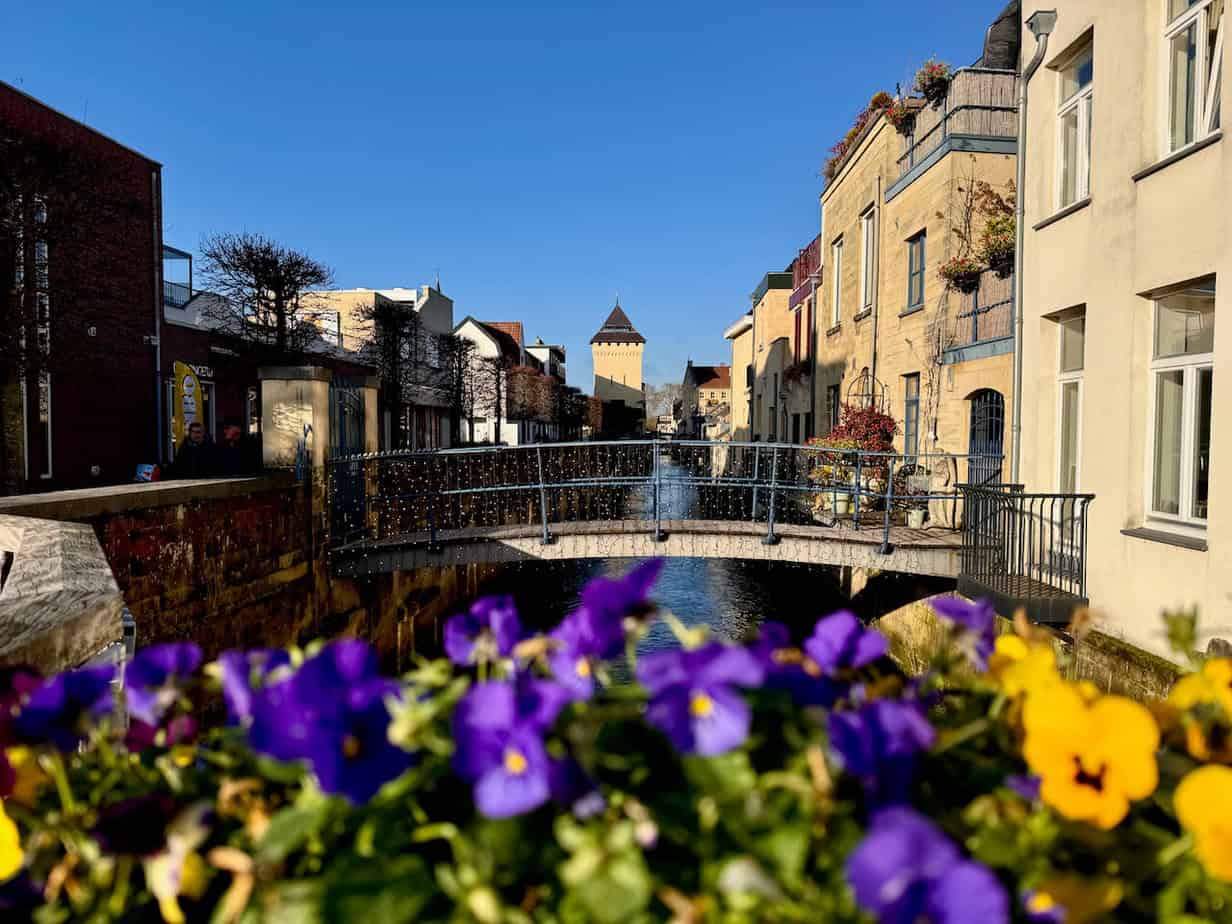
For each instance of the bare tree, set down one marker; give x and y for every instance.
(660, 399)
(61, 214)
(265, 291)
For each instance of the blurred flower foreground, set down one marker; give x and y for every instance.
(518, 782)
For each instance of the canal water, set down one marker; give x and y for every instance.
(731, 597)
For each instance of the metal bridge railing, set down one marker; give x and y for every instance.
(1025, 549)
(416, 496)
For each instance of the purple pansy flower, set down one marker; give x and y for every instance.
(332, 714)
(60, 711)
(572, 787)
(135, 827)
(786, 671)
(498, 728)
(977, 626)
(486, 632)
(907, 871)
(152, 679)
(182, 729)
(880, 744)
(693, 697)
(241, 670)
(840, 642)
(609, 600)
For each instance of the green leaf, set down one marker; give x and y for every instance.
(726, 777)
(290, 829)
(618, 891)
(376, 892)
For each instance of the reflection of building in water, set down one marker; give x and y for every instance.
(617, 352)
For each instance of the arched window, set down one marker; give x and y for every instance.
(987, 440)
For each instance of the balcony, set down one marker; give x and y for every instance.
(984, 323)
(176, 294)
(980, 113)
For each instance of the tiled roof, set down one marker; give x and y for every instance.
(617, 329)
(712, 376)
(510, 348)
(512, 328)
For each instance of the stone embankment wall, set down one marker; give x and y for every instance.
(242, 562)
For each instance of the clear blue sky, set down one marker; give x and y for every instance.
(544, 157)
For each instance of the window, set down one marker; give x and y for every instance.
(868, 269)
(796, 341)
(836, 263)
(834, 404)
(915, 270)
(1071, 359)
(1193, 39)
(1181, 378)
(911, 414)
(1074, 127)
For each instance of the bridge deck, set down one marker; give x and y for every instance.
(921, 551)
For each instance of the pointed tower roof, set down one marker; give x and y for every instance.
(617, 329)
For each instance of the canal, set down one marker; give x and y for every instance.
(730, 597)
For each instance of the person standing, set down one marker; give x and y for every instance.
(195, 457)
(235, 456)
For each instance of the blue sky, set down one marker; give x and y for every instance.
(543, 157)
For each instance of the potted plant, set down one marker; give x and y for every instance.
(832, 469)
(932, 80)
(961, 273)
(901, 116)
(997, 245)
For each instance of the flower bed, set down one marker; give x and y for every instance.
(517, 783)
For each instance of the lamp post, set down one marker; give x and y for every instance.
(1041, 24)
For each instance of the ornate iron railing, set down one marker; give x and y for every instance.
(396, 496)
(1025, 550)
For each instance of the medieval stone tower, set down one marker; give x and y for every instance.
(617, 352)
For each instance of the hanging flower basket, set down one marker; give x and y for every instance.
(962, 274)
(901, 116)
(997, 245)
(932, 81)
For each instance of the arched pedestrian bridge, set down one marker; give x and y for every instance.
(641, 498)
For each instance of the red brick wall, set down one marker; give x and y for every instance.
(103, 389)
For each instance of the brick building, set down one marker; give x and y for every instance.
(81, 266)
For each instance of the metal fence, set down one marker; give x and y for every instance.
(1025, 549)
(418, 496)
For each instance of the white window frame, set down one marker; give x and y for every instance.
(1071, 377)
(836, 301)
(1082, 101)
(1191, 364)
(1207, 81)
(868, 258)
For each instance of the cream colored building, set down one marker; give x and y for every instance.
(617, 351)
(705, 402)
(741, 336)
(345, 317)
(770, 333)
(1128, 197)
(891, 331)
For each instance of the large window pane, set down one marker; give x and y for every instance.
(1069, 157)
(1169, 422)
(1202, 444)
(1077, 75)
(1184, 325)
(1214, 66)
(1183, 55)
(1073, 337)
(1069, 437)
(1177, 7)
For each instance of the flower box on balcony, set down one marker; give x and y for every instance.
(932, 81)
(962, 274)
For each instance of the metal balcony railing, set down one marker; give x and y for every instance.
(1025, 550)
(981, 103)
(176, 294)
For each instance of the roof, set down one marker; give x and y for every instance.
(768, 282)
(512, 328)
(510, 348)
(741, 325)
(617, 329)
(709, 376)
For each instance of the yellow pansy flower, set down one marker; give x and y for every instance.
(1204, 806)
(28, 775)
(11, 856)
(1020, 667)
(1212, 684)
(1093, 757)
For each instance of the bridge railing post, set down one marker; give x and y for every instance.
(771, 538)
(658, 492)
(543, 498)
(756, 478)
(859, 489)
(886, 546)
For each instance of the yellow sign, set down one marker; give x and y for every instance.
(186, 400)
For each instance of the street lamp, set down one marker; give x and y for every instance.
(1041, 24)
